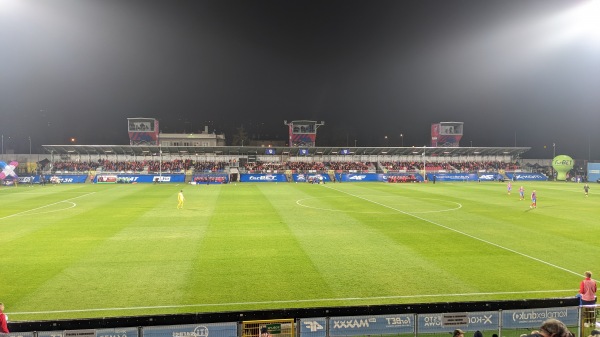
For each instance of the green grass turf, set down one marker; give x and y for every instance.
(75, 251)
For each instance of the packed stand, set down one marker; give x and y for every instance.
(70, 166)
(349, 166)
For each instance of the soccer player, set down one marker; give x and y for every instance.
(586, 189)
(521, 193)
(509, 187)
(533, 200)
(180, 199)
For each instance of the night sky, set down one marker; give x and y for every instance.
(524, 73)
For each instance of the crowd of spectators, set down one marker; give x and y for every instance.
(470, 166)
(210, 166)
(349, 166)
(307, 166)
(69, 166)
(179, 165)
(122, 166)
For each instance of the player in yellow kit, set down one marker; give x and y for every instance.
(180, 200)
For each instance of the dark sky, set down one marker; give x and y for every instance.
(524, 72)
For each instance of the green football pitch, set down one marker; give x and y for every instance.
(84, 250)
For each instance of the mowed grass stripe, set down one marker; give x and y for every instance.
(96, 273)
(249, 253)
(457, 250)
(359, 260)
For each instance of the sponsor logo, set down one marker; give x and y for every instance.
(484, 319)
(155, 178)
(399, 321)
(432, 320)
(454, 177)
(357, 177)
(313, 326)
(199, 331)
(268, 177)
(301, 177)
(539, 315)
(529, 176)
(487, 177)
(353, 323)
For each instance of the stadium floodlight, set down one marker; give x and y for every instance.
(579, 22)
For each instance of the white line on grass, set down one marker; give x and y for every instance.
(287, 301)
(459, 232)
(27, 212)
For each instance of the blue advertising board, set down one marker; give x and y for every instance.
(468, 321)
(533, 318)
(192, 330)
(372, 325)
(453, 176)
(526, 176)
(55, 178)
(263, 178)
(117, 332)
(489, 176)
(353, 177)
(398, 177)
(19, 334)
(139, 178)
(593, 172)
(313, 327)
(307, 177)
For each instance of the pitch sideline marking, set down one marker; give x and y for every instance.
(288, 301)
(299, 203)
(462, 233)
(52, 204)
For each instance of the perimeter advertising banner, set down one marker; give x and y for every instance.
(313, 327)
(139, 178)
(468, 321)
(453, 176)
(490, 177)
(55, 179)
(372, 325)
(263, 178)
(310, 177)
(192, 330)
(353, 177)
(526, 176)
(593, 172)
(116, 332)
(533, 318)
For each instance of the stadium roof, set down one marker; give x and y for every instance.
(147, 150)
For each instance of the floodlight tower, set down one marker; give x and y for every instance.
(303, 133)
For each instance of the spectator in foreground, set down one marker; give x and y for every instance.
(3, 320)
(554, 328)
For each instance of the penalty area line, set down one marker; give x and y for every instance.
(37, 208)
(460, 232)
(290, 301)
